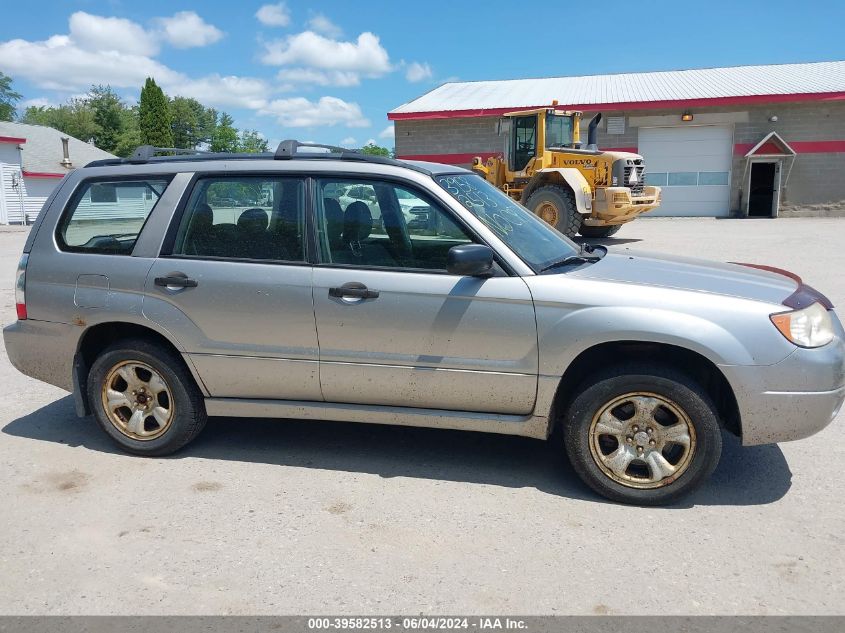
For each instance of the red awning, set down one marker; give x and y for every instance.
(771, 145)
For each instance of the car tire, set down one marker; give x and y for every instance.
(598, 232)
(145, 398)
(556, 205)
(674, 449)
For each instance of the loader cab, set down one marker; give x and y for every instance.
(545, 128)
(523, 141)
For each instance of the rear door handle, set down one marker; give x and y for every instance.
(176, 280)
(353, 289)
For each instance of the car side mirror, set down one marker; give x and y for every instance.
(470, 260)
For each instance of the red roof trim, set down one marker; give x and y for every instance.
(740, 149)
(626, 105)
(41, 174)
(800, 147)
(462, 159)
(12, 139)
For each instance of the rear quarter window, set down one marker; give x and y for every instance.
(106, 216)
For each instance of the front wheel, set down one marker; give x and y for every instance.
(556, 205)
(598, 232)
(144, 398)
(643, 434)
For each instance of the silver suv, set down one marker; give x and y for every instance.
(165, 289)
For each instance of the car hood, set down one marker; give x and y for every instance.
(684, 273)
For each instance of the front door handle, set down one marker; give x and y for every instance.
(177, 281)
(353, 289)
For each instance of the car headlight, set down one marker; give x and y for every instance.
(808, 327)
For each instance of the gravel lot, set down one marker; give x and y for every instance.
(261, 517)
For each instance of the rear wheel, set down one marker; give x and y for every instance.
(144, 398)
(599, 231)
(556, 205)
(643, 434)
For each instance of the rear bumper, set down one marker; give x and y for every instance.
(792, 399)
(43, 350)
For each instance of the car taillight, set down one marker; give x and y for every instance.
(20, 287)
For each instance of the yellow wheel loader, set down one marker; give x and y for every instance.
(575, 189)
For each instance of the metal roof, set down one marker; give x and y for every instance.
(42, 149)
(702, 87)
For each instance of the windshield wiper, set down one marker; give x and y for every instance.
(587, 255)
(572, 259)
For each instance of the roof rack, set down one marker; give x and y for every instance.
(287, 150)
(143, 153)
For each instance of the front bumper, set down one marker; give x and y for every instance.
(792, 399)
(615, 205)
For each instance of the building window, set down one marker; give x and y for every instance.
(657, 179)
(616, 125)
(103, 193)
(712, 178)
(683, 178)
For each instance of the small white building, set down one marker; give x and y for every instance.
(33, 159)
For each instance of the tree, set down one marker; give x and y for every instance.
(206, 122)
(108, 110)
(184, 124)
(252, 142)
(375, 150)
(154, 116)
(75, 118)
(130, 135)
(225, 136)
(8, 98)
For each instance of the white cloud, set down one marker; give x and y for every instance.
(370, 141)
(226, 92)
(418, 72)
(321, 24)
(366, 56)
(36, 102)
(327, 111)
(273, 14)
(349, 141)
(186, 29)
(59, 63)
(387, 132)
(62, 63)
(318, 77)
(98, 33)
(105, 50)
(121, 53)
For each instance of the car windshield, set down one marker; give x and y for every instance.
(534, 241)
(558, 130)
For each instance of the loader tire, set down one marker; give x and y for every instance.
(599, 231)
(556, 205)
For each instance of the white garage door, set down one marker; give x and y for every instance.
(692, 164)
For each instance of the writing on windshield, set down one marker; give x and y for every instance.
(534, 241)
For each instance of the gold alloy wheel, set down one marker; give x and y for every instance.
(137, 400)
(642, 440)
(549, 213)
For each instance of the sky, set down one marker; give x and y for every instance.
(329, 71)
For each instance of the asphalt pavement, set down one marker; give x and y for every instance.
(289, 517)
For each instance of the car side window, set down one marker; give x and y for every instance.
(384, 225)
(106, 216)
(246, 217)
